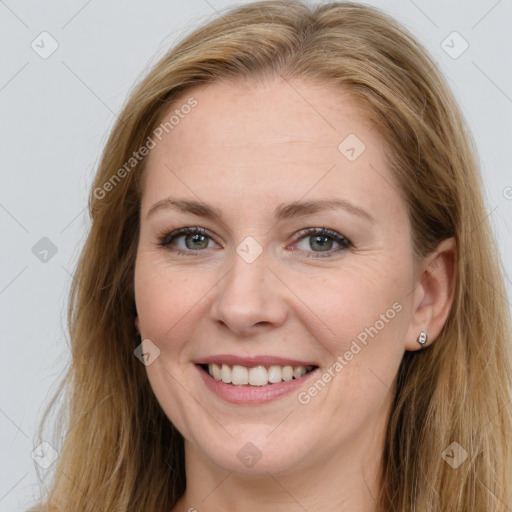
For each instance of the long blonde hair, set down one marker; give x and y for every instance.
(119, 451)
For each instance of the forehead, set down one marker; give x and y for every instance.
(245, 114)
(267, 138)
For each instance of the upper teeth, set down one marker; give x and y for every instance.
(255, 376)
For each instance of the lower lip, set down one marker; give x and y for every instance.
(252, 394)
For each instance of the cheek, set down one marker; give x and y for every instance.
(362, 316)
(355, 302)
(169, 301)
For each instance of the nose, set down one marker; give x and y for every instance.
(250, 298)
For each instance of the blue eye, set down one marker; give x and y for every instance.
(321, 240)
(195, 239)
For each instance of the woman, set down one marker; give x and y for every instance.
(289, 298)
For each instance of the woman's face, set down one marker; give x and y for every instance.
(303, 259)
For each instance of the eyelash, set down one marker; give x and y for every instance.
(345, 243)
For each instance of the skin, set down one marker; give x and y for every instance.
(247, 148)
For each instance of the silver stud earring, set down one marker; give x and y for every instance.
(422, 338)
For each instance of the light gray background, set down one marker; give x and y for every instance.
(55, 114)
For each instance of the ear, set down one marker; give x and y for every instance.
(433, 294)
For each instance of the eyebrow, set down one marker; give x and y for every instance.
(282, 212)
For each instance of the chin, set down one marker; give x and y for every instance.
(255, 452)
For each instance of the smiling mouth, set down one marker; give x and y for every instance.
(239, 375)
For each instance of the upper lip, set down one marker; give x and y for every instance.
(251, 361)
